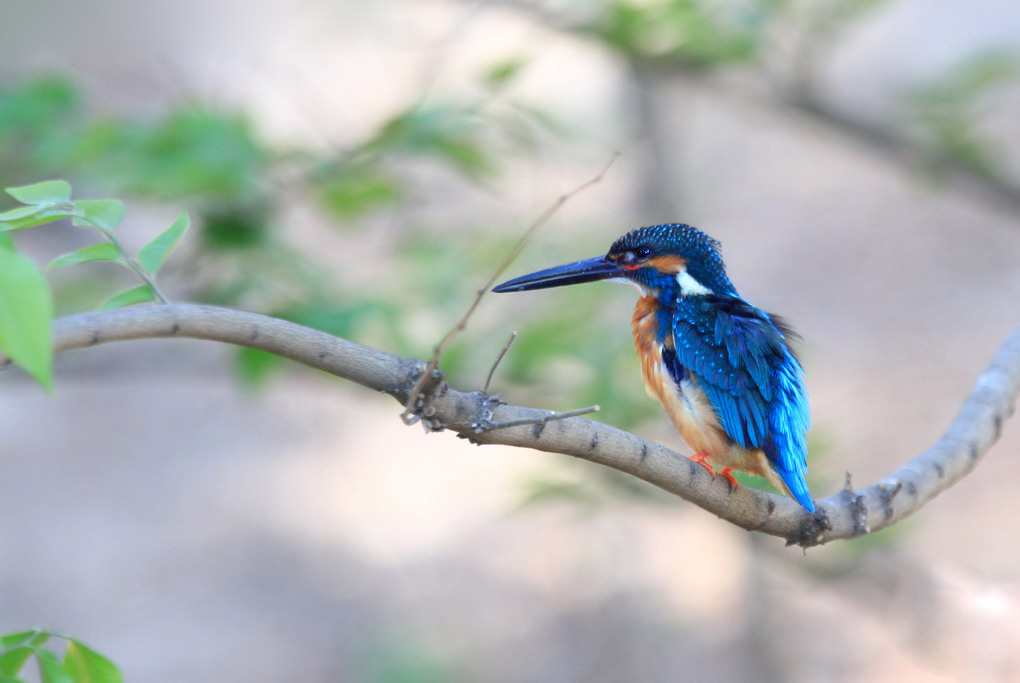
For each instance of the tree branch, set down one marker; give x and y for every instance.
(898, 147)
(844, 515)
(883, 139)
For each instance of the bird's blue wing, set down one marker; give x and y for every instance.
(742, 362)
(728, 355)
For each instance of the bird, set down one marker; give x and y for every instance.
(725, 371)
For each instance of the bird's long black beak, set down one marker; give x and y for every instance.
(588, 270)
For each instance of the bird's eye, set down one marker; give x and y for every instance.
(643, 252)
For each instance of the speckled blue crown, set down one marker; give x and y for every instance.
(702, 253)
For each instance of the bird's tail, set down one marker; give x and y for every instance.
(786, 447)
(793, 483)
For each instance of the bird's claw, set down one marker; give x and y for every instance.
(699, 458)
(728, 473)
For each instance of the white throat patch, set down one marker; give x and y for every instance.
(689, 286)
(642, 290)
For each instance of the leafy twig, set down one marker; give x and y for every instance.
(129, 260)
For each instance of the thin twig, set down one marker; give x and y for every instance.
(130, 261)
(133, 264)
(409, 415)
(552, 415)
(499, 359)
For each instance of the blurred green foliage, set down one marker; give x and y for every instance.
(949, 110)
(691, 34)
(80, 663)
(824, 20)
(703, 35)
(407, 658)
(212, 160)
(38, 120)
(500, 74)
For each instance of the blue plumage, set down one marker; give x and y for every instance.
(713, 346)
(744, 365)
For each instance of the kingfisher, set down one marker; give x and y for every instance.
(724, 370)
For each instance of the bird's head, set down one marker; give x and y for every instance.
(672, 259)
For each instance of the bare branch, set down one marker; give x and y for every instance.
(846, 514)
(410, 414)
(900, 148)
(499, 359)
(548, 417)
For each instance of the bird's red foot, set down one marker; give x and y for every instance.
(729, 477)
(699, 458)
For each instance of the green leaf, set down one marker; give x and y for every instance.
(690, 34)
(26, 316)
(50, 669)
(106, 213)
(193, 151)
(33, 112)
(238, 226)
(47, 192)
(12, 660)
(503, 72)
(15, 639)
(153, 254)
(357, 191)
(20, 212)
(444, 132)
(40, 216)
(88, 666)
(138, 295)
(103, 251)
(6, 243)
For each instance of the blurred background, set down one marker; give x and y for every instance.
(200, 513)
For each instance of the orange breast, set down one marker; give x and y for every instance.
(645, 330)
(687, 406)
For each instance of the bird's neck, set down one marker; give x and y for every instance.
(649, 338)
(686, 283)
(650, 322)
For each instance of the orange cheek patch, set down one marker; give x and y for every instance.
(667, 264)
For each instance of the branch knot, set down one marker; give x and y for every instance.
(420, 404)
